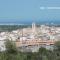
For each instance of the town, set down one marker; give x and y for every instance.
(30, 39)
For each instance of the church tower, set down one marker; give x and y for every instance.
(33, 28)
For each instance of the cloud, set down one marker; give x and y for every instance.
(50, 8)
(42, 8)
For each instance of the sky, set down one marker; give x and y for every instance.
(29, 10)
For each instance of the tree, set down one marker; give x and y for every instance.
(57, 50)
(42, 54)
(10, 46)
(12, 53)
(57, 45)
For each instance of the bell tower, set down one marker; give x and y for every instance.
(33, 28)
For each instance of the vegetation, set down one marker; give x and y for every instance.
(12, 53)
(12, 27)
(9, 28)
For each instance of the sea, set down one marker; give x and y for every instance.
(24, 22)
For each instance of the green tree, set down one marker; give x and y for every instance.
(42, 53)
(12, 52)
(57, 50)
(57, 45)
(10, 47)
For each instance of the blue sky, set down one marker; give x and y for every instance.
(24, 10)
